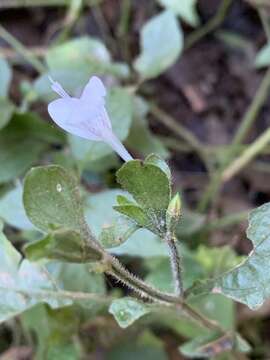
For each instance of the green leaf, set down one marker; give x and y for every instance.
(64, 352)
(116, 233)
(147, 183)
(81, 51)
(215, 261)
(150, 186)
(186, 9)
(159, 162)
(53, 328)
(79, 278)
(190, 223)
(146, 347)
(127, 310)
(207, 346)
(21, 143)
(22, 284)
(119, 108)
(135, 213)
(84, 54)
(154, 58)
(99, 212)
(63, 245)
(5, 77)
(6, 111)
(12, 210)
(263, 57)
(52, 200)
(249, 282)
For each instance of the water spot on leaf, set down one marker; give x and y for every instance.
(59, 187)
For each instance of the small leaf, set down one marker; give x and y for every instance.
(186, 9)
(154, 58)
(145, 346)
(12, 210)
(51, 199)
(249, 281)
(5, 77)
(63, 245)
(6, 111)
(159, 162)
(147, 183)
(208, 346)
(21, 143)
(118, 232)
(22, 284)
(99, 212)
(81, 51)
(135, 213)
(127, 310)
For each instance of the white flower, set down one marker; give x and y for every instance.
(86, 116)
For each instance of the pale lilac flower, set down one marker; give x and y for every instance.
(86, 116)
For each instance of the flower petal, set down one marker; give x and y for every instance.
(117, 146)
(94, 90)
(70, 116)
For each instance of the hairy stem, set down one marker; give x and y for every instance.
(175, 264)
(118, 271)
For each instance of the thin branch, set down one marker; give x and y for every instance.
(245, 125)
(253, 110)
(211, 25)
(22, 50)
(176, 128)
(247, 156)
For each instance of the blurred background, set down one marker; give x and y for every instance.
(189, 81)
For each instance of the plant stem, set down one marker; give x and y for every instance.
(176, 127)
(200, 319)
(22, 50)
(245, 125)
(252, 151)
(118, 271)
(175, 264)
(211, 25)
(253, 110)
(181, 131)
